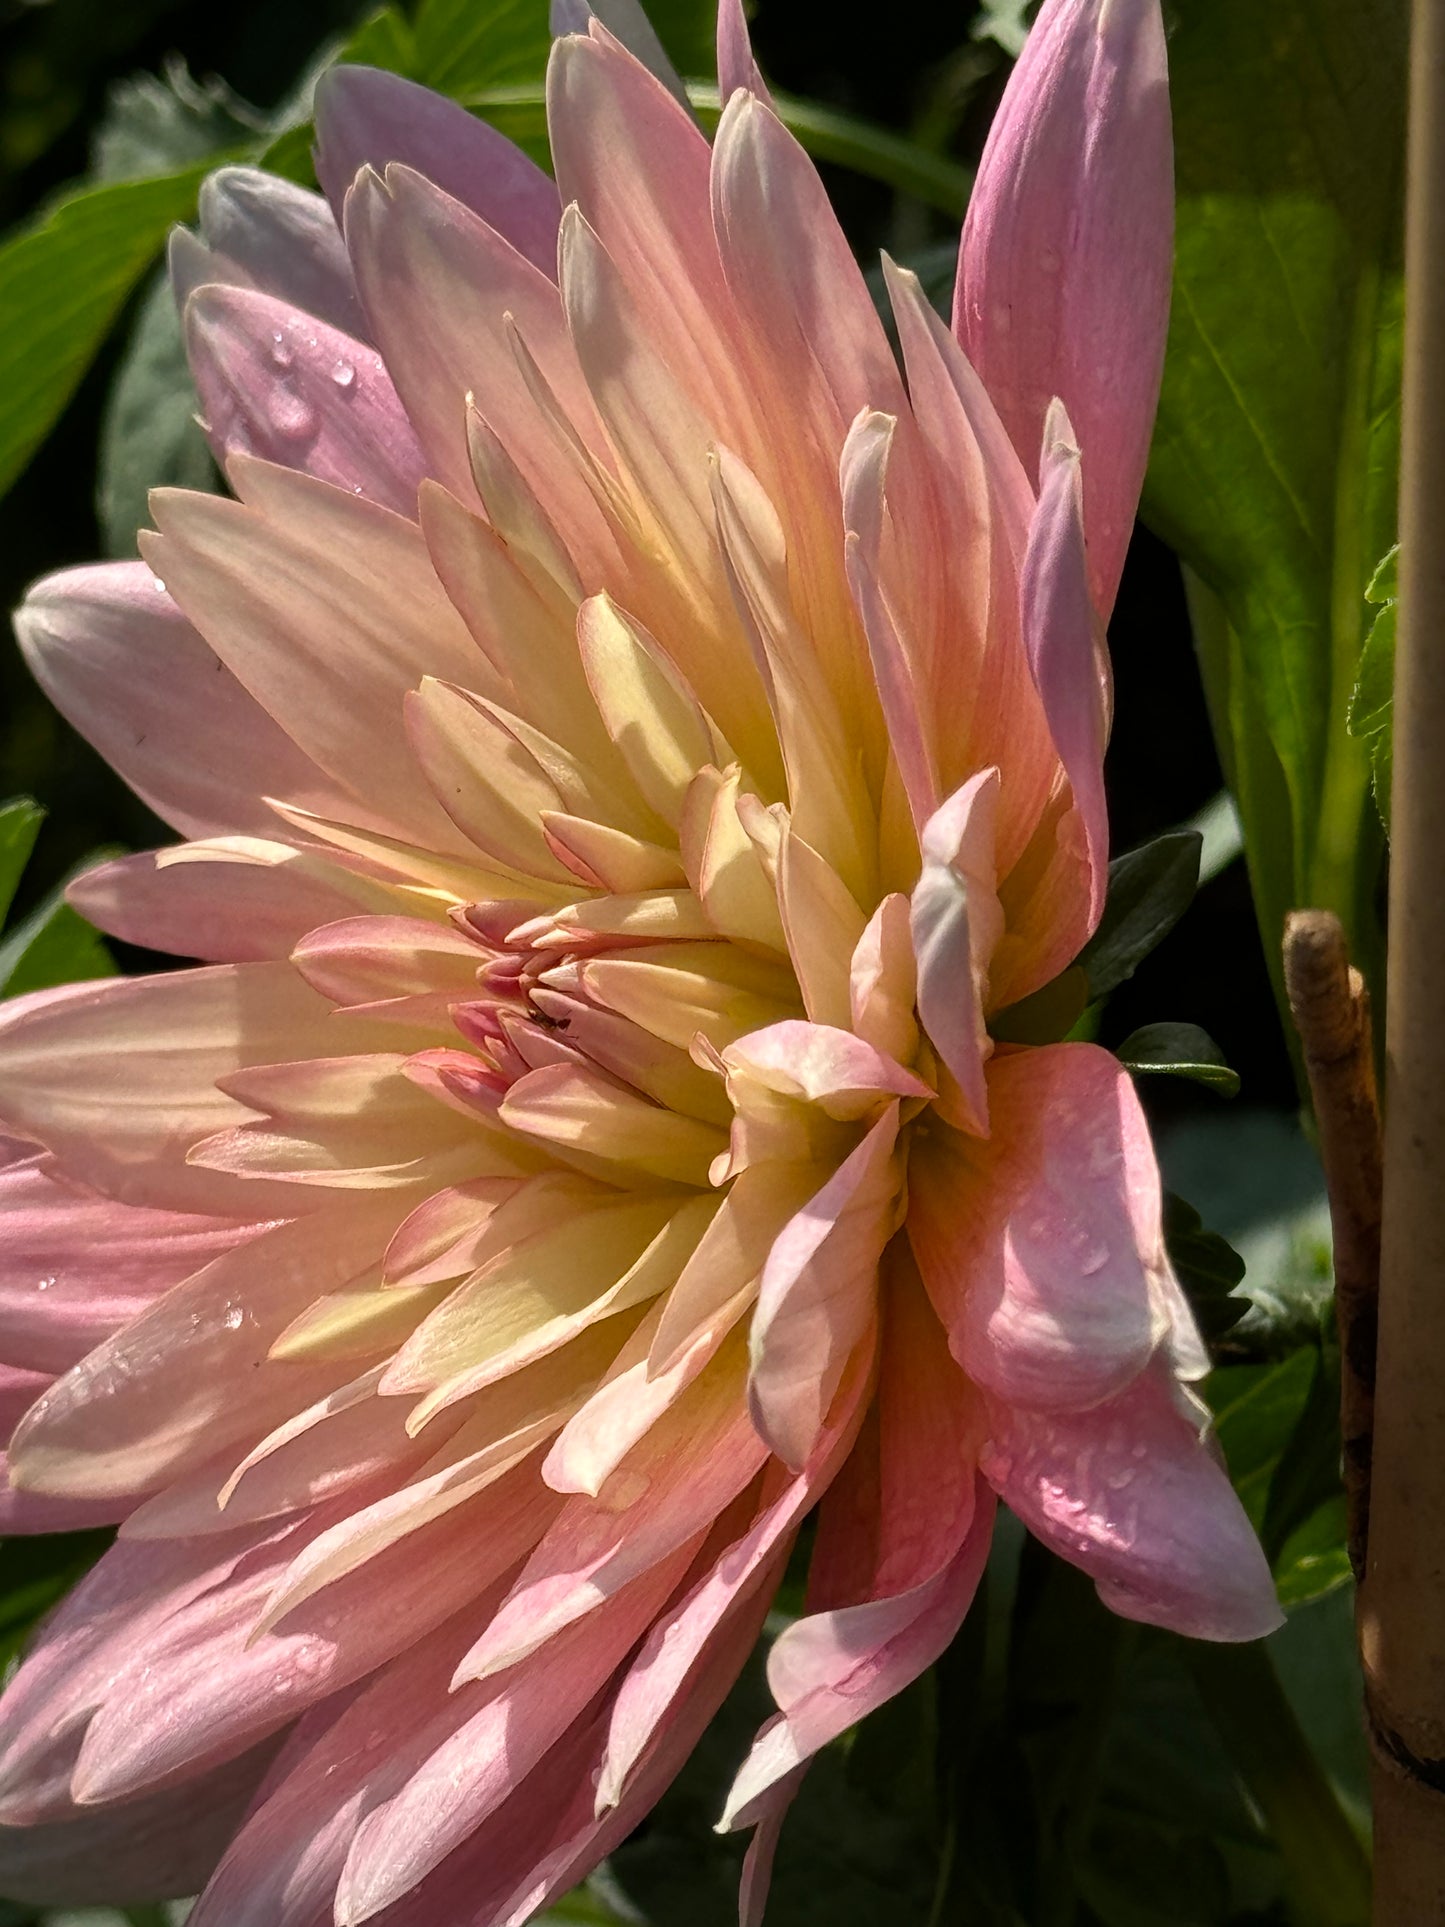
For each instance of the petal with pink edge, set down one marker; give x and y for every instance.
(1067, 252)
(120, 662)
(1131, 1493)
(1064, 646)
(1042, 1249)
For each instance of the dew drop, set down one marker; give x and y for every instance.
(293, 417)
(343, 374)
(45, 1284)
(158, 585)
(281, 356)
(1093, 1260)
(233, 1318)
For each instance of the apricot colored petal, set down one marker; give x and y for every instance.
(956, 922)
(636, 163)
(279, 383)
(368, 118)
(267, 233)
(1068, 248)
(119, 1078)
(1130, 1492)
(1051, 1280)
(1061, 637)
(579, 1113)
(302, 583)
(119, 661)
(438, 284)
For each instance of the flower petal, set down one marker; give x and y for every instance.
(277, 382)
(1051, 1280)
(368, 118)
(1064, 274)
(1130, 1492)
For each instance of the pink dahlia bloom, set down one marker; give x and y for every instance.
(630, 740)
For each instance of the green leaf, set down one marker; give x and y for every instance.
(1207, 1266)
(149, 436)
(1313, 1560)
(54, 945)
(1256, 1409)
(20, 823)
(1179, 1050)
(62, 283)
(1274, 465)
(1308, 1474)
(1047, 1015)
(1372, 702)
(463, 45)
(1149, 890)
(156, 124)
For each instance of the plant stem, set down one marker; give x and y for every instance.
(1328, 1871)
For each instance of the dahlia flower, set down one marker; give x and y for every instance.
(631, 740)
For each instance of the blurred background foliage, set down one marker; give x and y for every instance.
(1059, 1767)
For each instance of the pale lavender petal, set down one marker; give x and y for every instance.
(276, 382)
(365, 117)
(267, 233)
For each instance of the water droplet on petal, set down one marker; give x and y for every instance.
(158, 585)
(294, 417)
(343, 374)
(280, 354)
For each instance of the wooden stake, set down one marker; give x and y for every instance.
(1331, 1010)
(1402, 1601)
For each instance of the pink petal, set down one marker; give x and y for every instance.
(160, 1847)
(230, 900)
(275, 381)
(74, 1266)
(264, 232)
(650, 1695)
(736, 66)
(202, 1687)
(1064, 649)
(119, 661)
(1067, 250)
(1042, 1249)
(139, 1409)
(368, 118)
(469, 1776)
(78, 1651)
(956, 923)
(1131, 1493)
(683, 1473)
(818, 1291)
(865, 513)
(902, 1537)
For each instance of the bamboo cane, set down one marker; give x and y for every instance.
(1402, 1602)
